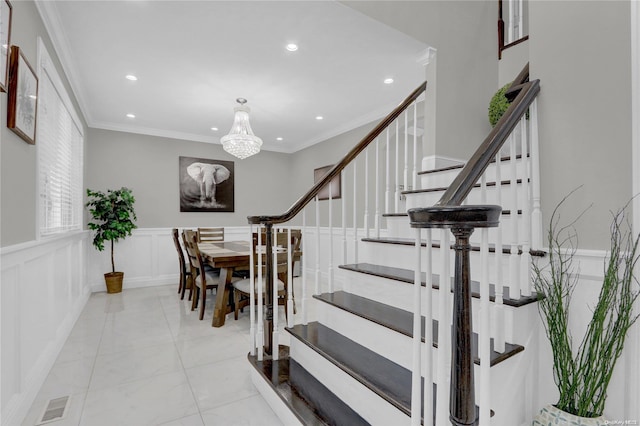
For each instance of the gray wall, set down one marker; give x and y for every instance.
(464, 33)
(305, 161)
(584, 109)
(18, 159)
(584, 105)
(149, 166)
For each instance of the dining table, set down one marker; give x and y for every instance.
(229, 256)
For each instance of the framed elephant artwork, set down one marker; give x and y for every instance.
(206, 185)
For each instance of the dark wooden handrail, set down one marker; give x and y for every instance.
(475, 167)
(342, 164)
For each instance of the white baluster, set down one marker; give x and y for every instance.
(416, 373)
(536, 213)
(303, 267)
(520, 19)
(427, 352)
(415, 146)
(406, 150)
(330, 270)
(355, 211)
(316, 289)
(514, 262)
(252, 302)
(276, 334)
(343, 191)
(397, 194)
(484, 344)
(498, 317)
(525, 258)
(377, 172)
(260, 336)
(366, 193)
(387, 194)
(289, 280)
(444, 336)
(511, 21)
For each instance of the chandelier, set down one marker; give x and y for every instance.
(241, 142)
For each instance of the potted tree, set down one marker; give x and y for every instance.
(113, 215)
(582, 374)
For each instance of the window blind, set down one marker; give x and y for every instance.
(60, 142)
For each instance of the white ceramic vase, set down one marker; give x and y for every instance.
(552, 416)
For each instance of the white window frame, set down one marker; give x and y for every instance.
(46, 69)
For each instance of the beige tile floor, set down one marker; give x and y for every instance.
(142, 357)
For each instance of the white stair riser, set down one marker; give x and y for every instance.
(445, 178)
(399, 227)
(361, 399)
(426, 199)
(403, 256)
(514, 322)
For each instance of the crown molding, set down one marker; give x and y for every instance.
(170, 134)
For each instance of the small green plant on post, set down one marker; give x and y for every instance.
(113, 217)
(582, 376)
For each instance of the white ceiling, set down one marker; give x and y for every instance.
(194, 58)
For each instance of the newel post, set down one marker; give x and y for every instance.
(268, 290)
(462, 220)
(462, 407)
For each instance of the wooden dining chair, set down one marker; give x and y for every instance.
(204, 277)
(241, 288)
(186, 280)
(210, 235)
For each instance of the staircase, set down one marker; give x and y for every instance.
(368, 345)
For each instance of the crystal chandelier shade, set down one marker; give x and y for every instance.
(241, 142)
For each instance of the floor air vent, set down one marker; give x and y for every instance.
(55, 410)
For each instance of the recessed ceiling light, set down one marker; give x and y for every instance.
(278, 138)
(292, 47)
(388, 80)
(215, 129)
(131, 77)
(131, 116)
(319, 117)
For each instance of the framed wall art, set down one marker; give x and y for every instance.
(23, 95)
(332, 189)
(206, 185)
(5, 41)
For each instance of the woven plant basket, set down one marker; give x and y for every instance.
(552, 416)
(114, 281)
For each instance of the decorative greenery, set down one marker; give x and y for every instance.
(498, 105)
(582, 378)
(113, 216)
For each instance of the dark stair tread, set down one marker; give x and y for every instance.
(506, 248)
(444, 188)
(504, 212)
(407, 276)
(402, 321)
(387, 379)
(384, 377)
(459, 166)
(310, 401)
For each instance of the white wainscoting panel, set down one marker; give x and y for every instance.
(43, 290)
(147, 258)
